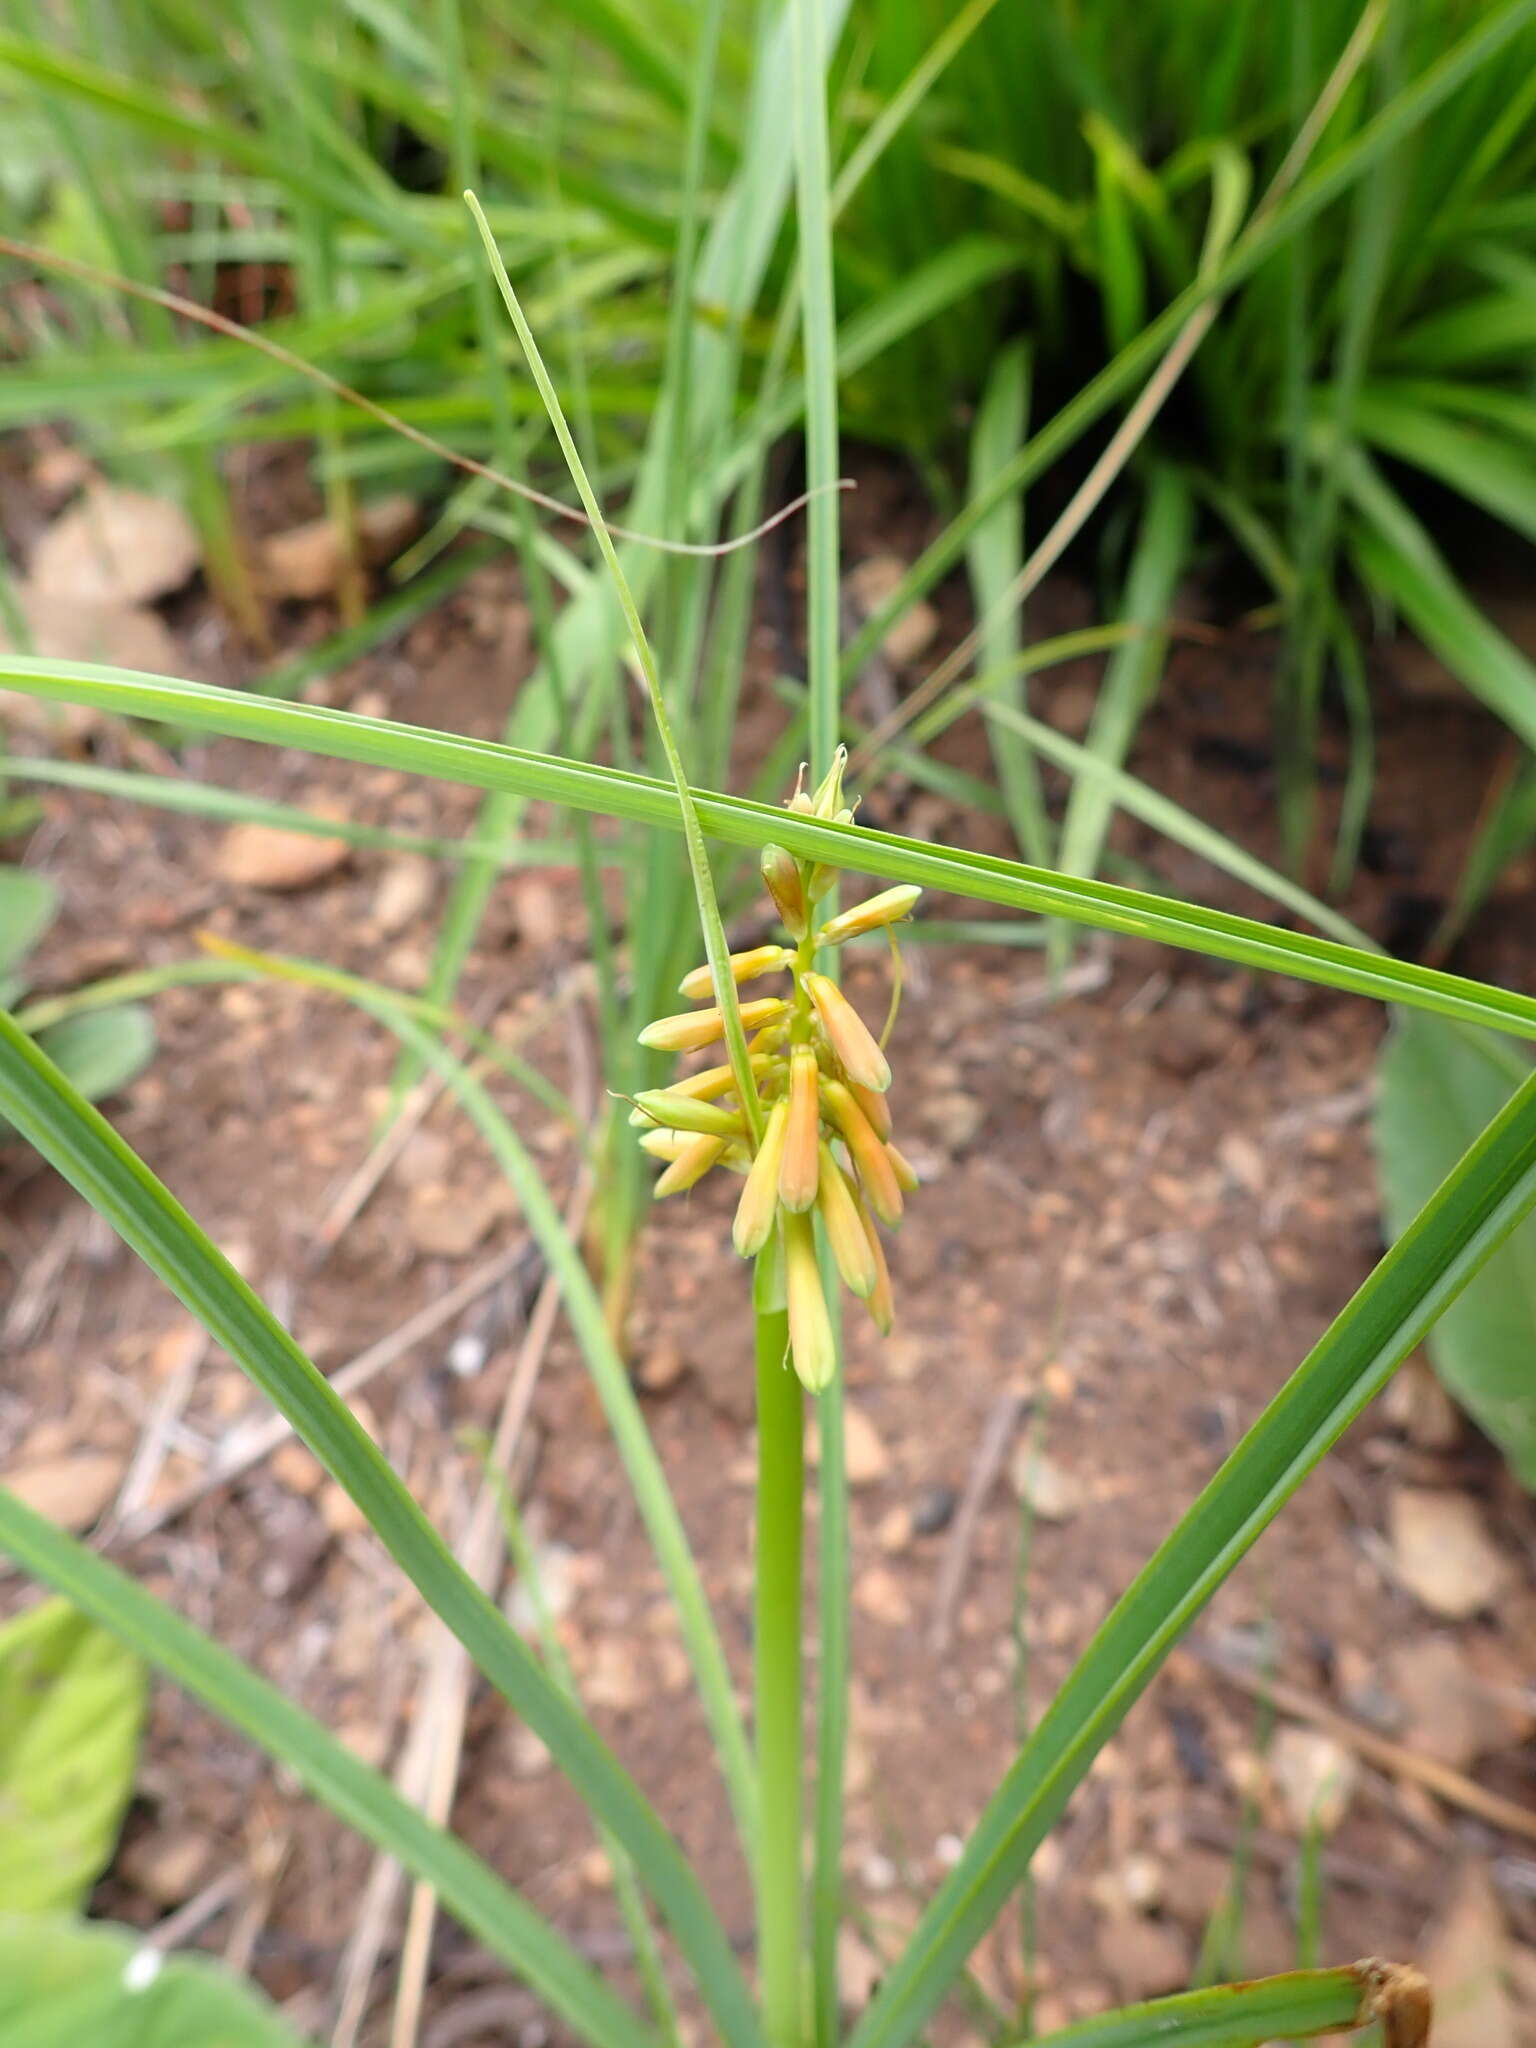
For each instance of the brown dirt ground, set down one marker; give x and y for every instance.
(1145, 1201)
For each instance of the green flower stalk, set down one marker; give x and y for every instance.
(823, 1076)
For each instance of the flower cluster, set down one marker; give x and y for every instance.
(821, 1077)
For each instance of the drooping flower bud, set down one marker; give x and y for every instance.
(839, 1207)
(888, 907)
(759, 1203)
(703, 1086)
(665, 1145)
(690, 1029)
(871, 1160)
(902, 1167)
(686, 1113)
(875, 1106)
(879, 1301)
(781, 878)
(695, 1159)
(849, 1036)
(812, 1346)
(799, 1167)
(698, 983)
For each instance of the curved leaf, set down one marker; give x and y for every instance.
(102, 1050)
(27, 904)
(617, 793)
(71, 1707)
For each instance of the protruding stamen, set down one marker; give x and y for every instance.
(839, 1207)
(799, 1168)
(694, 1028)
(698, 982)
(759, 1203)
(811, 1343)
(875, 911)
(871, 1160)
(849, 1036)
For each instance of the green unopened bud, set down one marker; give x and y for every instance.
(694, 1028)
(848, 1035)
(827, 801)
(839, 1207)
(782, 879)
(812, 1346)
(875, 911)
(686, 1113)
(703, 1086)
(699, 982)
(799, 1166)
(759, 1204)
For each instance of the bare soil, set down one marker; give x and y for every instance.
(1144, 1202)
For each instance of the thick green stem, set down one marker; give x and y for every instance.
(780, 1766)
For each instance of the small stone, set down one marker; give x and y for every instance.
(1419, 1406)
(74, 1491)
(558, 1575)
(1315, 1777)
(1144, 1958)
(934, 1510)
(368, 1742)
(167, 1865)
(660, 1370)
(115, 547)
(610, 1676)
(1467, 1960)
(308, 561)
(595, 1869)
(879, 1594)
(1449, 1711)
(340, 1512)
(296, 1467)
(870, 584)
(530, 1755)
(404, 893)
(858, 1971)
(1443, 1554)
(1052, 1493)
(865, 1456)
(446, 1223)
(265, 857)
(893, 1531)
(877, 1873)
(953, 1118)
(1136, 1885)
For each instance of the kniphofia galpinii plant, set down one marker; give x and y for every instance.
(826, 1145)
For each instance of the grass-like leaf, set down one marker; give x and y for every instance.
(1471, 1214)
(1291, 2007)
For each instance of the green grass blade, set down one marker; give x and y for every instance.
(483, 764)
(482, 1903)
(1301, 2003)
(96, 1161)
(1471, 1214)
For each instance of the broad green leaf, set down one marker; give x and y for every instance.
(102, 1051)
(65, 1983)
(481, 1901)
(1290, 2007)
(27, 905)
(616, 793)
(1465, 1221)
(80, 1143)
(1438, 1087)
(71, 1706)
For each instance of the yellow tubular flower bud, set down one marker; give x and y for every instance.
(870, 915)
(694, 1028)
(875, 1107)
(703, 1086)
(759, 1204)
(849, 1036)
(871, 1160)
(839, 1207)
(902, 1167)
(781, 878)
(811, 1343)
(687, 1113)
(694, 1160)
(799, 1167)
(698, 983)
(879, 1301)
(666, 1144)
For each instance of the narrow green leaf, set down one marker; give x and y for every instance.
(1472, 1213)
(1438, 1087)
(102, 1052)
(28, 903)
(1301, 2003)
(482, 1903)
(91, 1155)
(66, 1982)
(484, 765)
(71, 1706)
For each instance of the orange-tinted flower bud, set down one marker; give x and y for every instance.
(697, 983)
(782, 880)
(874, 912)
(687, 1113)
(800, 1167)
(812, 1345)
(693, 1028)
(902, 1167)
(693, 1161)
(839, 1207)
(871, 1160)
(875, 1107)
(849, 1036)
(759, 1203)
(879, 1301)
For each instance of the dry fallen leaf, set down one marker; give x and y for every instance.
(1453, 1713)
(1443, 1554)
(115, 547)
(1315, 1777)
(74, 1490)
(265, 857)
(307, 561)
